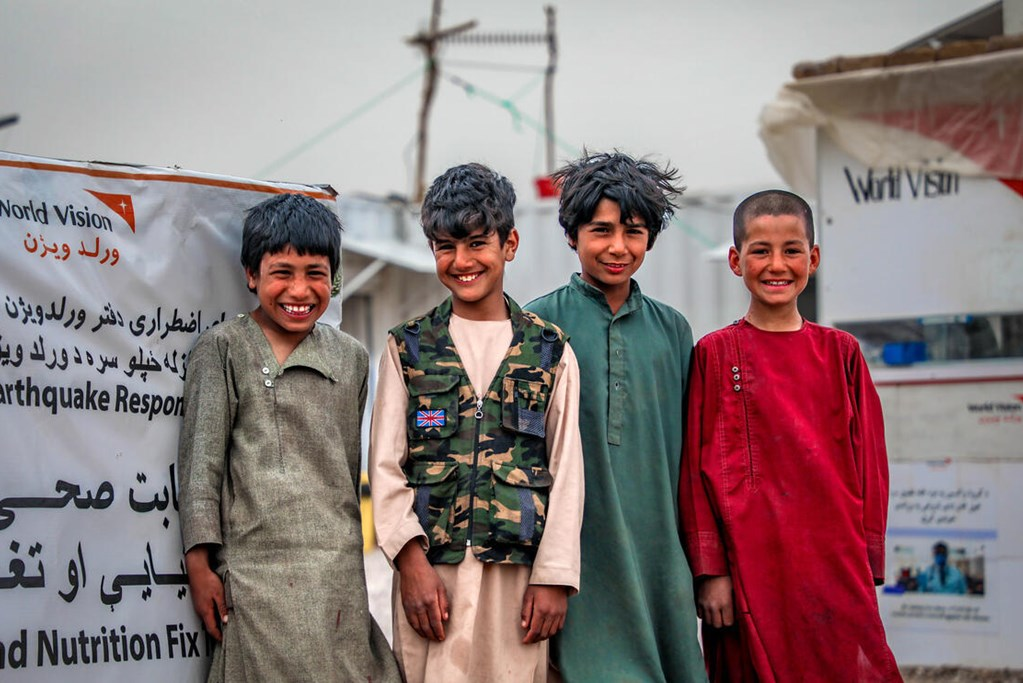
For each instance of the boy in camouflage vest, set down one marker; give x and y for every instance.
(475, 456)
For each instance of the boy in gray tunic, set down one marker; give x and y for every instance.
(269, 466)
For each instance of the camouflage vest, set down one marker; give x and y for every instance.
(479, 467)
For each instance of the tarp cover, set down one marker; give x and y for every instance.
(961, 115)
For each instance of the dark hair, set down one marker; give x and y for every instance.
(466, 198)
(940, 547)
(640, 188)
(770, 203)
(297, 220)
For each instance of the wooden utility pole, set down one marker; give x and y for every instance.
(427, 42)
(548, 86)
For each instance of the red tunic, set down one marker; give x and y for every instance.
(784, 487)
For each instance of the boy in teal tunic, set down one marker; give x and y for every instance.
(635, 619)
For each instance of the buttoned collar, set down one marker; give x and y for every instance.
(311, 352)
(633, 303)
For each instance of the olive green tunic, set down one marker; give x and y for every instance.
(269, 472)
(634, 618)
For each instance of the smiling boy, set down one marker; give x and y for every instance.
(475, 460)
(784, 489)
(633, 358)
(269, 468)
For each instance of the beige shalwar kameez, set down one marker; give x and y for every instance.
(269, 478)
(483, 635)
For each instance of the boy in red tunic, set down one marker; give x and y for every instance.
(784, 489)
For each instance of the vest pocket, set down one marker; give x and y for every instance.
(436, 488)
(432, 406)
(518, 509)
(524, 406)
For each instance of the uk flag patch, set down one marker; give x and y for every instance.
(430, 418)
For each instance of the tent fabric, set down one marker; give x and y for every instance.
(961, 115)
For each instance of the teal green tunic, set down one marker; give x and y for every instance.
(634, 618)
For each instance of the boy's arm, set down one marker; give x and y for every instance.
(701, 535)
(207, 590)
(555, 572)
(202, 449)
(393, 500)
(872, 459)
(557, 559)
(203, 444)
(714, 601)
(423, 596)
(543, 612)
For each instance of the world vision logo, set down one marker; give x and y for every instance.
(119, 204)
(993, 412)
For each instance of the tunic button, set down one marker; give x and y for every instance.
(617, 385)
(736, 377)
(735, 368)
(737, 387)
(270, 383)
(266, 371)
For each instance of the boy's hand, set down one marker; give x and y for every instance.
(423, 596)
(207, 590)
(543, 612)
(714, 601)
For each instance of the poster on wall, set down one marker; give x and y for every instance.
(109, 273)
(943, 531)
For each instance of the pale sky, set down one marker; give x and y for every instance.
(324, 91)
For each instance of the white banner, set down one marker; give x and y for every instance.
(109, 273)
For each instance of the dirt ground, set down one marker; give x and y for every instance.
(954, 674)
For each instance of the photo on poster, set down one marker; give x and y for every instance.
(942, 567)
(942, 536)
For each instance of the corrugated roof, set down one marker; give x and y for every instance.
(979, 32)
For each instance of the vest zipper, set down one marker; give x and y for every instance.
(475, 463)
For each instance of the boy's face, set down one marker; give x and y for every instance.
(775, 261)
(293, 291)
(472, 268)
(611, 249)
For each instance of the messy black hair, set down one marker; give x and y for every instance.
(641, 189)
(770, 203)
(467, 198)
(297, 220)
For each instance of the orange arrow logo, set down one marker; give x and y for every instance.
(120, 204)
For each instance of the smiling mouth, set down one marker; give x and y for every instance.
(777, 283)
(468, 277)
(292, 309)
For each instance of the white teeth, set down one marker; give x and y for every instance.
(466, 278)
(297, 310)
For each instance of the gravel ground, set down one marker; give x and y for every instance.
(955, 674)
(378, 580)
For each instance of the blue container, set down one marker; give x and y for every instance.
(904, 353)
